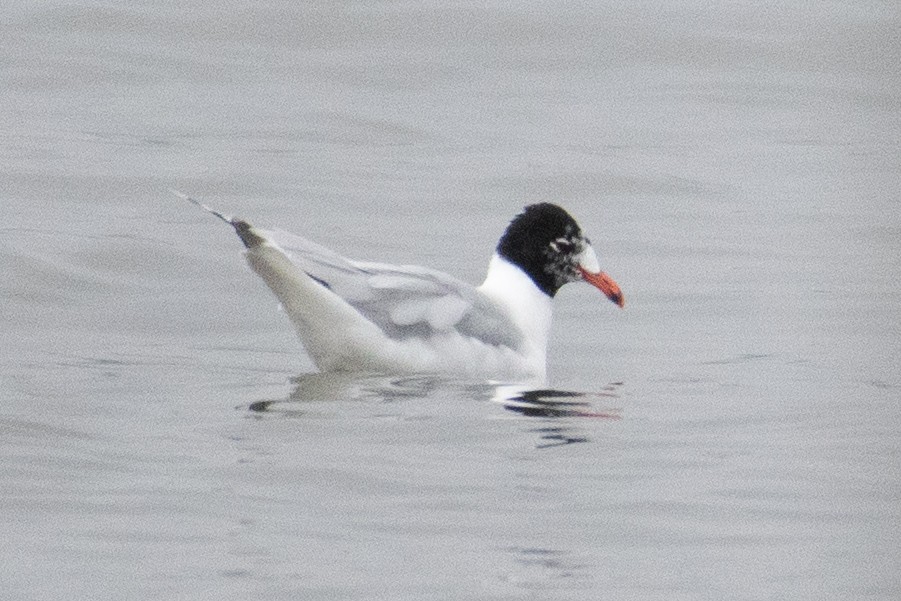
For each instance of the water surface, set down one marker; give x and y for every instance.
(735, 432)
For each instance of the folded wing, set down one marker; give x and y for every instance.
(403, 301)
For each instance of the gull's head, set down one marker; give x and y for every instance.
(546, 243)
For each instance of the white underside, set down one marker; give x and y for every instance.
(339, 338)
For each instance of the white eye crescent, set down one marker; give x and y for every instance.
(561, 245)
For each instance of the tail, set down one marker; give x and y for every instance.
(245, 231)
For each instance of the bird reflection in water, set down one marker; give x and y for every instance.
(553, 410)
(313, 388)
(550, 403)
(553, 403)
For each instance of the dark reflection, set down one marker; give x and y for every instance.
(539, 567)
(555, 404)
(552, 414)
(557, 436)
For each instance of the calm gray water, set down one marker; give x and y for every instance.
(736, 165)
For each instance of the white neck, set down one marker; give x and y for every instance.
(529, 307)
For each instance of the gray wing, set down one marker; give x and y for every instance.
(404, 301)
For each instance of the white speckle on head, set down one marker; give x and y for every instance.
(588, 260)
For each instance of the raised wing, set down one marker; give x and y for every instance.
(404, 301)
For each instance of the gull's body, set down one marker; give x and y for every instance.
(373, 317)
